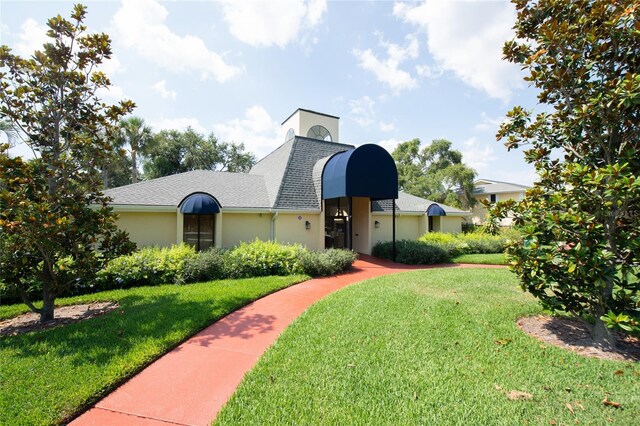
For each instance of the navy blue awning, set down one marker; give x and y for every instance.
(199, 203)
(366, 171)
(435, 210)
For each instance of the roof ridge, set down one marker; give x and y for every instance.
(287, 170)
(501, 181)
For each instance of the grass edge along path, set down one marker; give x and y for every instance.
(428, 347)
(49, 376)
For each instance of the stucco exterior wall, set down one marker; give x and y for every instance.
(451, 224)
(361, 225)
(302, 121)
(243, 227)
(290, 229)
(149, 228)
(407, 228)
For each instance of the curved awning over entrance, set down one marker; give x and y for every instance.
(199, 203)
(435, 210)
(366, 171)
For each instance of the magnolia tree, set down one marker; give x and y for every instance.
(55, 226)
(581, 222)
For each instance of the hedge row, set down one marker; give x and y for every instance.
(181, 264)
(436, 247)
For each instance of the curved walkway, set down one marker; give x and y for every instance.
(190, 384)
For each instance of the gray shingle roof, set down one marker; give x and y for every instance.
(297, 190)
(272, 167)
(411, 203)
(230, 189)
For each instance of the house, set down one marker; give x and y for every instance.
(493, 191)
(311, 190)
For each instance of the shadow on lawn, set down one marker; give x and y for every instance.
(163, 321)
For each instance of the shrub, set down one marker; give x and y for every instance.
(327, 262)
(412, 252)
(148, 266)
(263, 258)
(205, 266)
(447, 242)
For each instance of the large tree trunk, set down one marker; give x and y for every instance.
(48, 297)
(603, 336)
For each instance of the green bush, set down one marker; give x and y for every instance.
(148, 266)
(206, 266)
(327, 262)
(263, 258)
(412, 252)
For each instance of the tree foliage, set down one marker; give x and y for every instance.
(435, 172)
(137, 137)
(581, 220)
(177, 151)
(55, 226)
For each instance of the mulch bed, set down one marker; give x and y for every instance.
(575, 336)
(63, 315)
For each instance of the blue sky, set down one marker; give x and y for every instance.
(392, 71)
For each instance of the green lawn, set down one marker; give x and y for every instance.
(47, 376)
(428, 347)
(484, 259)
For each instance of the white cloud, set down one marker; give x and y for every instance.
(113, 93)
(141, 26)
(274, 23)
(388, 70)
(32, 36)
(478, 156)
(257, 130)
(489, 123)
(387, 127)
(429, 71)
(467, 38)
(390, 144)
(161, 88)
(181, 123)
(362, 111)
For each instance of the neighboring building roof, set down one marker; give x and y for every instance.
(230, 189)
(411, 203)
(486, 186)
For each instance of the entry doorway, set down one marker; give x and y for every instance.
(337, 230)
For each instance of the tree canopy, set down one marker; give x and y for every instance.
(581, 220)
(175, 151)
(55, 226)
(435, 172)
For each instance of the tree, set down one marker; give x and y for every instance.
(581, 220)
(135, 134)
(10, 132)
(55, 226)
(117, 171)
(176, 152)
(436, 172)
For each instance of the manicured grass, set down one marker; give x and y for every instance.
(484, 259)
(428, 347)
(47, 376)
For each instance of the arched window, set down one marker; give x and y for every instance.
(319, 132)
(199, 212)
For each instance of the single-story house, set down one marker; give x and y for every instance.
(493, 191)
(311, 190)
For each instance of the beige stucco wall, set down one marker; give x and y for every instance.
(361, 225)
(243, 227)
(302, 121)
(407, 228)
(451, 224)
(149, 228)
(290, 229)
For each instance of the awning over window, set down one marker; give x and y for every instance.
(366, 171)
(435, 210)
(199, 203)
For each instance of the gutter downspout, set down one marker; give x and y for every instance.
(272, 228)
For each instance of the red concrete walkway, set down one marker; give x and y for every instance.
(190, 384)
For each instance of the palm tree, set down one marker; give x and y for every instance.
(135, 133)
(10, 131)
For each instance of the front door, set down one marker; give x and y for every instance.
(337, 233)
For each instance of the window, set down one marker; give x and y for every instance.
(199, 230)
(493, 198)
(319, 132)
